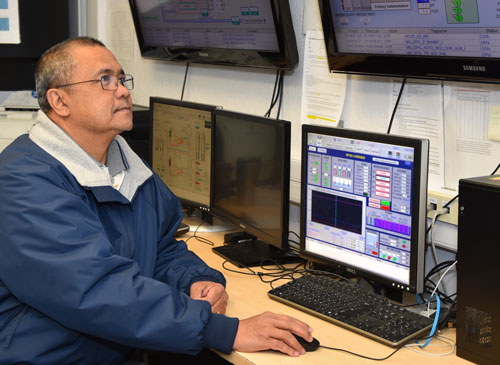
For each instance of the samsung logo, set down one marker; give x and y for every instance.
(474, 68)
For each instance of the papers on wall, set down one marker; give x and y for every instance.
(462, 123)
(469, 113)
(323, 93)
(420, 114)
(9, 22)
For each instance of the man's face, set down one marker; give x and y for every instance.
(93, 109)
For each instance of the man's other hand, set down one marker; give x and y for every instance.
(214, 293)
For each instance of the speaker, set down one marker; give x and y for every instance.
(478, 270)
(139, 138)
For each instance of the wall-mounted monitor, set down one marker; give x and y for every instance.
(363, 204)
(446, 39)
(182, 149)
(256, 33)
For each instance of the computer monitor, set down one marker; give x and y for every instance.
(182, 149)
(251, 183)
(363, 204)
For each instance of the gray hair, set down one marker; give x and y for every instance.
(55, 67)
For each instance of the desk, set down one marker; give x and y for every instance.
(248, 297)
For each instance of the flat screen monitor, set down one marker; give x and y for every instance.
(448, 39)
(251, 181)
(230, 32)
(182, 149)
(363, 204)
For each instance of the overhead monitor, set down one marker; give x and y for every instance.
(182, 148)
(229, 32)
(445, 39)
(363, 204)
(251, 182)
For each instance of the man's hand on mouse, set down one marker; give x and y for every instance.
(270, 331)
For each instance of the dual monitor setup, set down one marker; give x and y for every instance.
(363, 194)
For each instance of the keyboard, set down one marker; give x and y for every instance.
(348, 305)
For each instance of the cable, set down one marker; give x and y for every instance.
(282, 81)
(275, 274)
(362, 356)
(427, 279)
(494, 171)
(185, 78)
(434, 325)
(280, 76)
(442, 276)
(271, 105)
(396, 105)
(199, 238)
(437, 213)
(439, 337)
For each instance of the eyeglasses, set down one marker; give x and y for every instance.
(108, 82)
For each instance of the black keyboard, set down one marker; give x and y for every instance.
(350, 306)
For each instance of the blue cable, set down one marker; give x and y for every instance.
(436, 320)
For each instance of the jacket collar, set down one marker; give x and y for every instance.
(89, 172)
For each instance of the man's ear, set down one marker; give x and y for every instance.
(57, 101)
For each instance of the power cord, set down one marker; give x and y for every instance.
(185, 78)
(396, 105)
(199, 238)
(277, 93)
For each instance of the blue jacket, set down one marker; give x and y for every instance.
(86, 275)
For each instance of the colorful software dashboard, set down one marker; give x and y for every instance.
(359, 205)
(225, 24)
(459, 28)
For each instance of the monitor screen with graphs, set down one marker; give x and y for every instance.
(445, 39)
(363, 203)
(182, 148)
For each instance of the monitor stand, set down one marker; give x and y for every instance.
(255, 253)
(204, 222)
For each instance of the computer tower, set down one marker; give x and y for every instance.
(478, 270)
(139, 138)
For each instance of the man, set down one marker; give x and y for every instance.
(89, 268)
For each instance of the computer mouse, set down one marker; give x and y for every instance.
(308, 346)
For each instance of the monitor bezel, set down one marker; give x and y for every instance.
(192, 105)
(286, 58)
(419, 205)
(285, 128)
(480, 69)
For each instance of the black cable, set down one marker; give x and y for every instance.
(185, 78)
(199, 238)
(275, 274)
(363, 356)
(494, 171)
(277, 95)
(282, 81)
(271, 105)
(396, 105)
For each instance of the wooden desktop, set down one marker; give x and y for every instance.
(248, 297)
